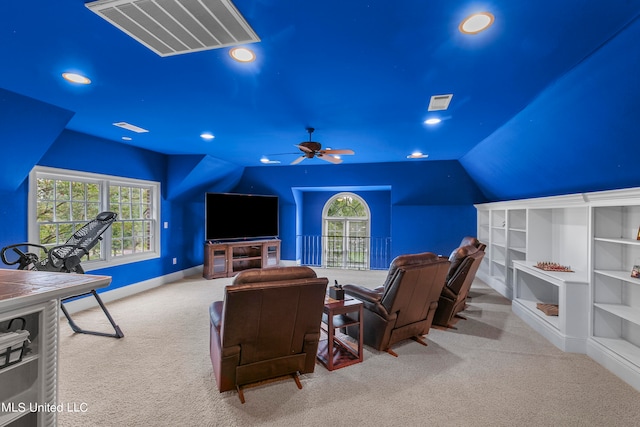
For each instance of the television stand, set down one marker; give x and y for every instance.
(225, 259)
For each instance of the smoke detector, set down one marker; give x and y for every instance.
(172, 27)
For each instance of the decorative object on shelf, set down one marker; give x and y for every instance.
(553, 266)
(638, 236)
(336, 292)
(548, 309)
(635, 271)
(13, 344)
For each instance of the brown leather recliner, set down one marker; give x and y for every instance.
(404, 306)
(268, 326)
(473, 241)
(465, 261)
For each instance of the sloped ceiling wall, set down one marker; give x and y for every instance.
(580, 134)
(187, 175)
(27, 129)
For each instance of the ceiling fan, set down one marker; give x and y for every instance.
(312, 149)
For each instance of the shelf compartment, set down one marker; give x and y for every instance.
(622, 348)
(620, 275)
(625, 312)
(342, 354)
(518, 219)
(617, 222)
(612, 255)
(20, 407)
(616, 322)
(498, 218)
(621, 241)
(570, 291)
(531, 306)
(517, 239)
(340, 320)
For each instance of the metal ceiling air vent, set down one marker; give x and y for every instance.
(172, 27)
(440, 102)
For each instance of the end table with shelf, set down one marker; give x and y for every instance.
(336, 352)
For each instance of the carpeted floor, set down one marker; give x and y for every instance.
(493, 371)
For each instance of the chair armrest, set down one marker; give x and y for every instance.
(371, 298)
(215, 313)
(448, 293)
(362, 293)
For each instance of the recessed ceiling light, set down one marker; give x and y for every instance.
(432, 121)
(126, 138)
(242, 54)
(207, 136)
(476, 23)
(76, 78)
(417, 155)
(266, 160)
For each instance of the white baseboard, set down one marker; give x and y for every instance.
(88, 302)
(623, 368)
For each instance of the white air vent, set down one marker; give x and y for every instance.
(128, 126)
(440, 102)
(172, 27)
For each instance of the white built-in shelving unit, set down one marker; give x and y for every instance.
(484, 236)
(615, 295)
(597, 236)
(30, 382)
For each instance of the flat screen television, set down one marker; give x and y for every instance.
(230, 216)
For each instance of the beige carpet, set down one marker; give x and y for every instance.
(493, 371)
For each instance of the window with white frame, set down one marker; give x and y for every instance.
(62, 201)
(346, 236)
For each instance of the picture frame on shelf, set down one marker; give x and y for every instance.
(635, 271)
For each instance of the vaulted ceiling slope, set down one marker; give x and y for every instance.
(579, 135)
(544, 101)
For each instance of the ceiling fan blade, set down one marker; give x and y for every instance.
(330, 151)
(329, 159)
(305, 149)
(298, 160)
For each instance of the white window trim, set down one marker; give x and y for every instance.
(39, 171)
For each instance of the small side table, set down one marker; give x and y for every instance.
(334, 352)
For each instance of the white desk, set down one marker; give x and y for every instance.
(35, 296)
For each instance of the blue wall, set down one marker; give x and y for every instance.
(422, 205)
(81, 152)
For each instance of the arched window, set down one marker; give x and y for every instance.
(346, 232)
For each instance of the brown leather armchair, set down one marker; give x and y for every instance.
(465, 261)
(404, 306)
(268, 326)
